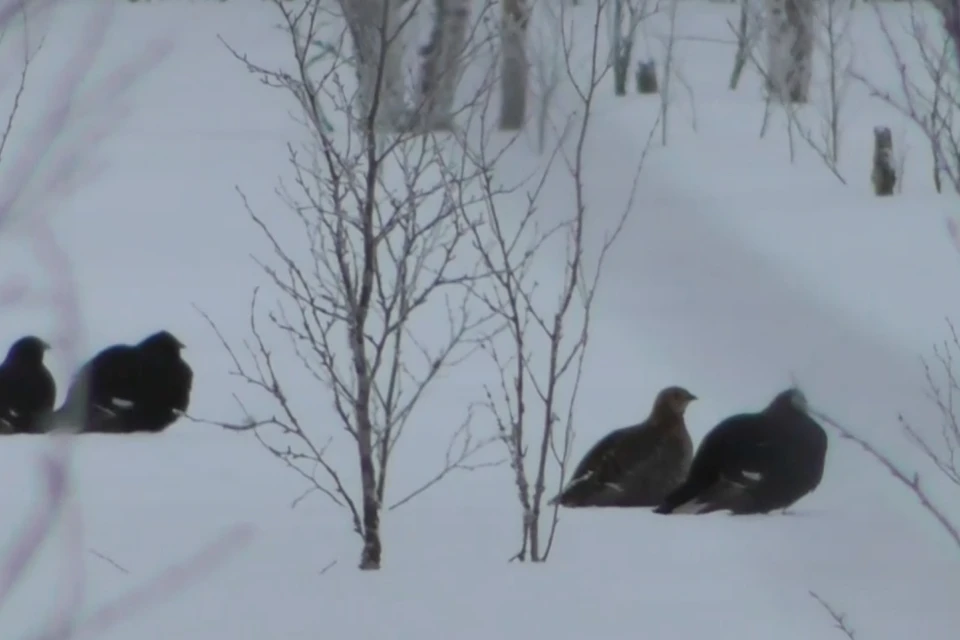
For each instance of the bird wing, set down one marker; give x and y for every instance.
(166, 384)
(602, 462)
(108, 377)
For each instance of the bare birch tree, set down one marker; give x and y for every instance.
(668, 71)
(371, 279)
(835, 42)
(547, 67)
(790, 41)
(748, 30)
(540, 355)
(824, 144)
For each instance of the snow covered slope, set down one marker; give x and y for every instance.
(737, 269)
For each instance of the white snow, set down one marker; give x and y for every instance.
(736, 271)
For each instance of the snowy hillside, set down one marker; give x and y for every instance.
(737, 271)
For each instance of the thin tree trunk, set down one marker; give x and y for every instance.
(371, 555)
(514, 72)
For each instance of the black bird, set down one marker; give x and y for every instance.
(130, 388)
(166, 384)
(27, 389)
(755, 462)
(636, 466)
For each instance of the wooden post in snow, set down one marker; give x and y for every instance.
(884, 175)
(647, 77)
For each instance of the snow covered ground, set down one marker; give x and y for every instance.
(736, 270)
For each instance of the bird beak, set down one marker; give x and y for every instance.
(46, 345)
(691, 397)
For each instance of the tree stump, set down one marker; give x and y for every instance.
(884, 175)
(647, 77)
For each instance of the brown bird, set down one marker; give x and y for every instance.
(636, 466)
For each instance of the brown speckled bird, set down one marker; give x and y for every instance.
(636, 466)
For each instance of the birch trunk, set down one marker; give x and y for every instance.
(375, 27)
(790, 49)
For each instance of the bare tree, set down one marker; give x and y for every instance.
(795, 122)
(372, 280)
(833, 20)
(540, 354)
(547, 67)
(748, 30)
(514, 73)
(927, 96)
(789, 49)
(668, 72)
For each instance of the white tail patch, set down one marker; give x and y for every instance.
(753, 476)
(13, 414)
(121, 403)
(691, 507)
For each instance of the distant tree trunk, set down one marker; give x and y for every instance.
(440, 72)
(621, 68)
(378, 45)
(514, 72)
(616, 34)
(790, 49)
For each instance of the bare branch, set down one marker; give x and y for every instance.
(909, 480)
(839, 619)
(109, 561)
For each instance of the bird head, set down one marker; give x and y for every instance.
(28, 348)
(161, 342)
(675, 399)
(792, 397)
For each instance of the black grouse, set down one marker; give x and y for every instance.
(131, 388)
(636, 466)
(27, 389)
(755, 462)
